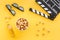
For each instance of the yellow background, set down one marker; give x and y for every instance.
(39, 27)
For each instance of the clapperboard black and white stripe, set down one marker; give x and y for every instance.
(51, 6)
(39, 13)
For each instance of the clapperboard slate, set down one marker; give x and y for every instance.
(51, 6)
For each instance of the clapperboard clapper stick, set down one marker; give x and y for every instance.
(18, 7)
(50, 6)
(10, 9)
(39, 13)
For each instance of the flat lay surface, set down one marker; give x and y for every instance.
(39, 28)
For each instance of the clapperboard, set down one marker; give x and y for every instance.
(50, 6)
